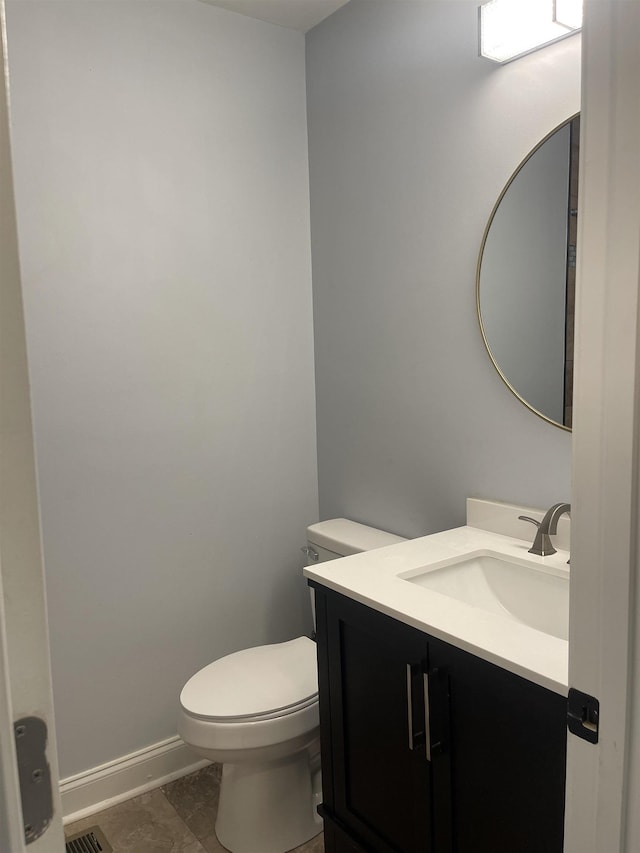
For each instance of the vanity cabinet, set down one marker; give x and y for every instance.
(429, 749)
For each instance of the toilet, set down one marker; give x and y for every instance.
(256, 712)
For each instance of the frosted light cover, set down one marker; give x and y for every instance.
(511, 28)
(569, 13)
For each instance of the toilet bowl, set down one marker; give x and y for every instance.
(256, 712)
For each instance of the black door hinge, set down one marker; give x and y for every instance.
(583, 715)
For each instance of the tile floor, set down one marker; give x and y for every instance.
(177, 818)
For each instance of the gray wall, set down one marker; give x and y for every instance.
(411, 139)
(162, 190)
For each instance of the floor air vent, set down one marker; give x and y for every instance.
(90, 841)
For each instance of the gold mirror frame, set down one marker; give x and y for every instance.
(479, 267)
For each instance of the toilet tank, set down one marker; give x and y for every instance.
(340, 537)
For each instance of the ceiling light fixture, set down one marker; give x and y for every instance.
(568, 13)
(512, 28)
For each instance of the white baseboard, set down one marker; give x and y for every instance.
(101, 787)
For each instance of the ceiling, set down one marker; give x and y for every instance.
(295, 14)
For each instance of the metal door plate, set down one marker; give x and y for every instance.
(583, 715)
(35, 776)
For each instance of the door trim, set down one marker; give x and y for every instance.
(606, 424)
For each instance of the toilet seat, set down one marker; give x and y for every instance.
(253, 685)
(255, 699)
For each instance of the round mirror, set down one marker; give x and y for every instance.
(525, 285)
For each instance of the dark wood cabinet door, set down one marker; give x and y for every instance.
(493, 778)
(382, 785)
(508, 757)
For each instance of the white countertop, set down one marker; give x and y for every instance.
(373, 578)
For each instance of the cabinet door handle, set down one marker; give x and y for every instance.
(410, 705)
(414, 724)
(427, 717)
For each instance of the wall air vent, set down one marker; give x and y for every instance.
(91, 840)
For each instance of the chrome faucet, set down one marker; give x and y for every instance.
(547, 527)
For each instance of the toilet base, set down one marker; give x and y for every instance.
(268, 807)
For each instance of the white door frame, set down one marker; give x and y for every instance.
(606, 462)
(25, 677)
(11, 832)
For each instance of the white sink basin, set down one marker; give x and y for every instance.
(517, 590)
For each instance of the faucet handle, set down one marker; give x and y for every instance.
(542, 546)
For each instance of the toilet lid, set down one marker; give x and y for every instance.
(266, 680)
